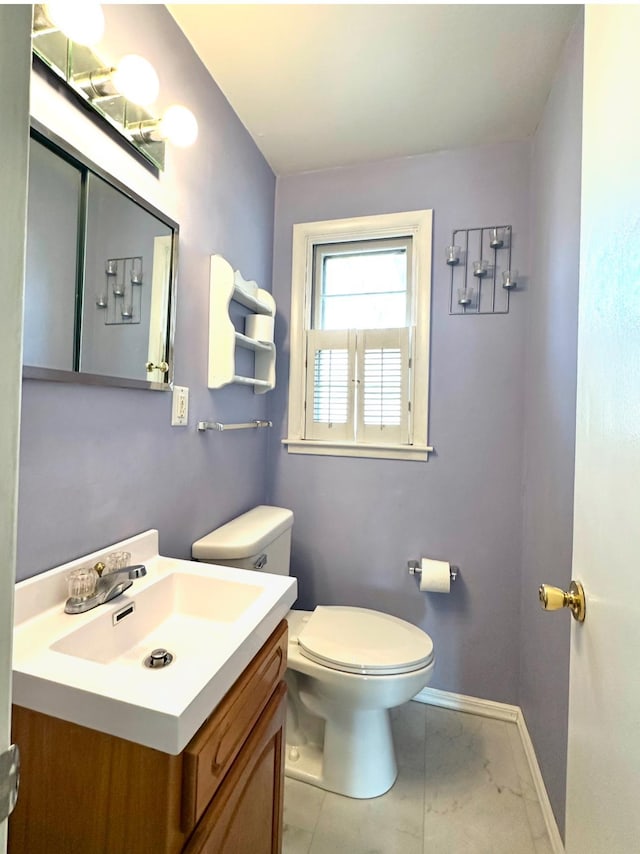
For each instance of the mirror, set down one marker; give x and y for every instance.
(100, 275)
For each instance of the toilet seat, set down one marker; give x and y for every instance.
(357, 640)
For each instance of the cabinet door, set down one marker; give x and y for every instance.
(210, 754)
(245, 816)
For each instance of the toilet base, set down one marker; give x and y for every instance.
(356, 760)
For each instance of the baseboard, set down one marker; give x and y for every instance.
(541, 790)
(511, 714)
(472, 705)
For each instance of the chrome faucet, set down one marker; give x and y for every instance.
(107, 587)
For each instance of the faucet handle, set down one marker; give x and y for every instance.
(114, 561)
(82, 582)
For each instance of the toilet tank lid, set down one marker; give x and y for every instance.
(245, 535)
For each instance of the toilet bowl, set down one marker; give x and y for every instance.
(347, 667)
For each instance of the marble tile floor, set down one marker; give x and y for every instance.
(463, 787)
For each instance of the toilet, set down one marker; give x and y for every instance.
(346, 667)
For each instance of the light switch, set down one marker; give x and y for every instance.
(180, 406)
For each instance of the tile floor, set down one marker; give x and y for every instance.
(463, 787)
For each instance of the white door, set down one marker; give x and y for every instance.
(603, 784)
(159, 311)
(15, 61)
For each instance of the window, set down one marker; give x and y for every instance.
(361, 284)
(360, 337)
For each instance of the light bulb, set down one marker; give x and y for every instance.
(136, 80)
(179, 126)
(82, 22)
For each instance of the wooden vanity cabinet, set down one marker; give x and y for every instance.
(85, 792)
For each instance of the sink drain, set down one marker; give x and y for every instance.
(158, 658)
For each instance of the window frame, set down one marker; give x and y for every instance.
(416, 225)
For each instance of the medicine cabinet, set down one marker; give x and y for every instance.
(100, 275)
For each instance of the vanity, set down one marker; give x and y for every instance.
(119, 757)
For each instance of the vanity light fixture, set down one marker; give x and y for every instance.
(81, 21)
(63, 36)
(134, 78)
(178, 126)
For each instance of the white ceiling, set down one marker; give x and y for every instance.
(329, 85)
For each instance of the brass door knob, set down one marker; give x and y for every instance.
(553, 598)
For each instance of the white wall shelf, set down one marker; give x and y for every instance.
(241, 294)
(226, 286)
(251, 343)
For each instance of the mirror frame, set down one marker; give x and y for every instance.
(63, 149)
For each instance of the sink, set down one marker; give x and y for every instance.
(89, 668)
(182, 612)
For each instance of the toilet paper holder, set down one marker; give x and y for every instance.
(414, 569)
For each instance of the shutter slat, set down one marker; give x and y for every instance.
(383, 364)
(331, 358)
(331, 386)
(383, 387)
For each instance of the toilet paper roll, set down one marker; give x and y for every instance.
(435, 576)
(259, 327)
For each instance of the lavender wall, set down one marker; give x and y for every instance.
(358, 521)
(99, 464)
(550, 416)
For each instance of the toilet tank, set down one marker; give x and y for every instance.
(259, 539)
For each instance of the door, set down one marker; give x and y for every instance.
(15, 64)
(603, 777)
(159, 311)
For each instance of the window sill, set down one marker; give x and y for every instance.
(351, 449)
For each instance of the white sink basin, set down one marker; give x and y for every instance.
(89, 668)
(181, 612)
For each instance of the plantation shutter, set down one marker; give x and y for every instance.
(383, 385)
(330, 384)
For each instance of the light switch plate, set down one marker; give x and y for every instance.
(180, 406)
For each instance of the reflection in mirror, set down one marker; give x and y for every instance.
(100, 276)
(121, 282)
(52, 260)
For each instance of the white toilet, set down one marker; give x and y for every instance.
(347, 667)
